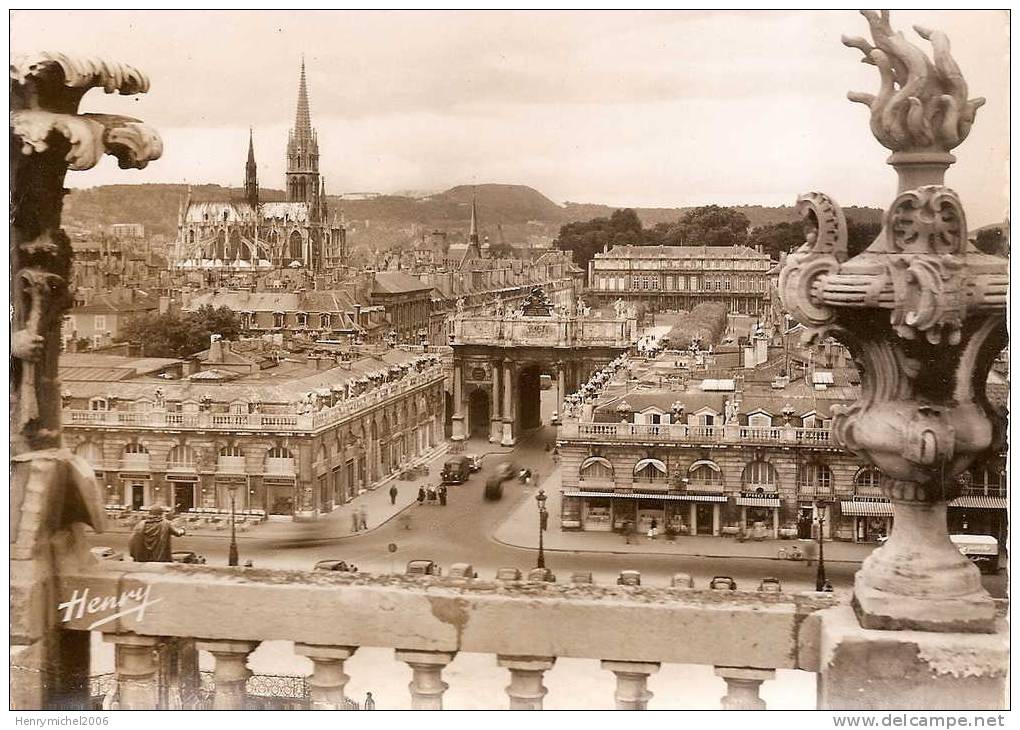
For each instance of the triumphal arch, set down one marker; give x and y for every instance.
(499, 360)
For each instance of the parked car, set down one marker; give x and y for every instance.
(681, 580)
(187, 557)
(456, 470)
(474, 462)
(462, 570)
(583, 576)
(423, 567)
(629, 578)
(555, 419)
(541, 575)
(340, 566)
(770, 585)
(106, 553)
(508, 574)
(722, 583)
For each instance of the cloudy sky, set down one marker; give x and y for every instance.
(624, 108)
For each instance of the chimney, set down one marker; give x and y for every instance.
(216, 349)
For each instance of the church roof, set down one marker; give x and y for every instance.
(296, 212)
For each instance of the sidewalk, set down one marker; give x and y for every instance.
(519, 530)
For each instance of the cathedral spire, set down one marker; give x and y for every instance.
(473, 232)
(303, 118)
(251, 178)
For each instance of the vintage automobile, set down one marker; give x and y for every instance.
(187, 557)
(541, 575)
(340, 566)
(681, 580)
(581, 576)
(106, 553)
(423, 567)
(456, 470)
(474, 462)
(462, 570)
(493, 489)
(508, 574)
(722, 583)
(506, 470)
(629, 578)
(770, 585)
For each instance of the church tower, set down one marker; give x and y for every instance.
(303, 152)
(251, 177)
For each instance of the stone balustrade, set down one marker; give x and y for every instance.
(161, 419)
(682, 432)
(427, 621)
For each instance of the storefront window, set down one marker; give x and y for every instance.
(570, 512)
(597, 514)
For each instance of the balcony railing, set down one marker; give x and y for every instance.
(428, 621)
(252, 421)
(685, 433)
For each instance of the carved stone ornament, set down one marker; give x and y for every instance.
(922, 311)
(53, 492)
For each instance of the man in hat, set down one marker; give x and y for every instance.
(150, 541)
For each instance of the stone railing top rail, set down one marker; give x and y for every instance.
(445, 614)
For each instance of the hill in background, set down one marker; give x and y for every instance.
(384, 220)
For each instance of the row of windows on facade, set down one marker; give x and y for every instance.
(763, 474)
(679, 283)
(697, 264)
(236, 408)
(707, 417)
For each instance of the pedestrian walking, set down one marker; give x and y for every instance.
(362, 518)
(421, 495)
(393, 494)
(442, 495)
(355, 522)
(653, 528)
(432, 493)
(369, 702)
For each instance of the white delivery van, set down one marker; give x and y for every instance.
(981, 549)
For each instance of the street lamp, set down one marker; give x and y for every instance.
(820, 576)
(232, 555)
(543, 520)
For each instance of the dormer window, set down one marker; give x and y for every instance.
(278, 319)
(302, 319)
(99, 404)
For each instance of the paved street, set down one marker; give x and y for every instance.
(469, 529)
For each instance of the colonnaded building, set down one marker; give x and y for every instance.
(681, 277)
(287, 436)
(246, 234)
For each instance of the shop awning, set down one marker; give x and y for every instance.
(641, 495)
(596, 460)
(861, 508)
(980, 502)
(757, 501)
(705, 462)
(654, 463)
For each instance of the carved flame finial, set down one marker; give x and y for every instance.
(922, 104)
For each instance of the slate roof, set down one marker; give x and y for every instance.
(397, 282)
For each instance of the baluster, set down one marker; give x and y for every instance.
(231, 671)
(631, 683)
(526, 689)
(427, 685)
(742, 685)
(326, 685)
(135, 661)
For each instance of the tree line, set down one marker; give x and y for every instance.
(181, 334)
(709, 225)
